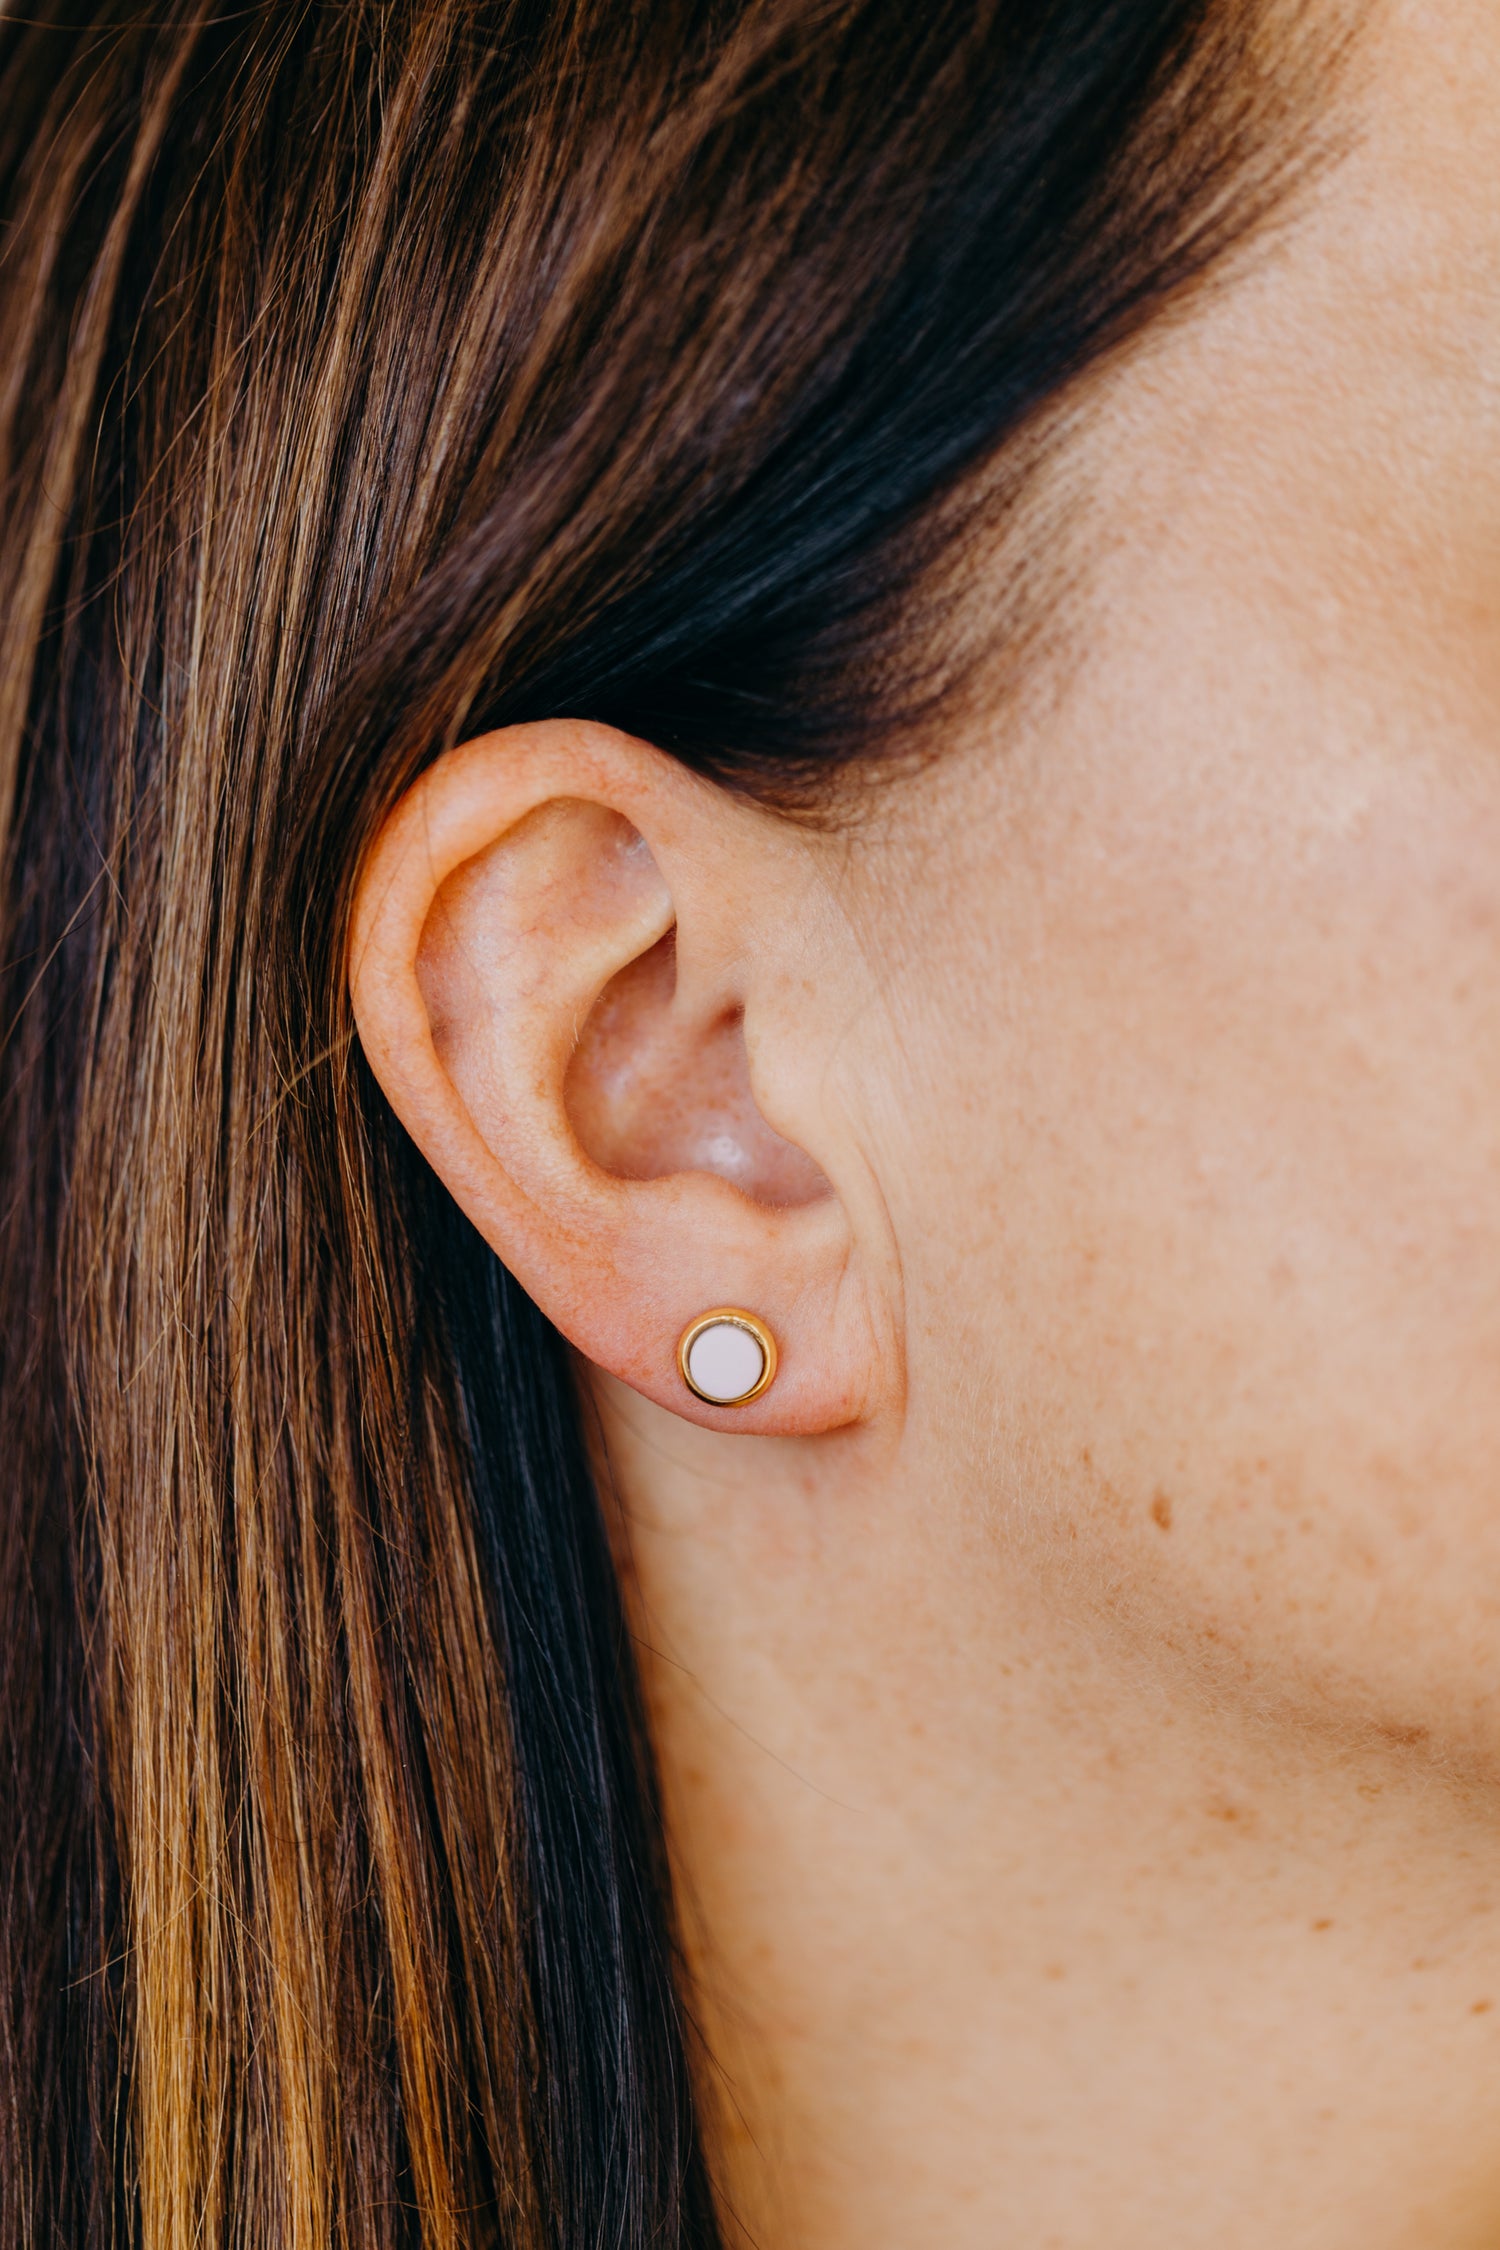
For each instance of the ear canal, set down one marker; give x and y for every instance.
(654, 1089)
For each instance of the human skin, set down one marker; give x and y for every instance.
(1075, 1681)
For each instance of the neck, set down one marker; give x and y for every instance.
(1005, 1925)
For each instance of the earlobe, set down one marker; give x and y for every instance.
(565, 949)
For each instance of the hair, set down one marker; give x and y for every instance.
(374, 373)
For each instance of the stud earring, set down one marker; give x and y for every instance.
(727, 1357)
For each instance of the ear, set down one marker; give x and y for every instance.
(586, 981)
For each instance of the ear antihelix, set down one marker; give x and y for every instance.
(727, 1357)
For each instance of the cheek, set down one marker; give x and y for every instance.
(1201, 1232)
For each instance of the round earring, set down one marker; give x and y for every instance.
(727, 1357)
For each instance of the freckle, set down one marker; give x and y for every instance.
(1324, 1924)
(1054, 1972)
(1481, 2007)
(1161, 1511)
(1369, 1789)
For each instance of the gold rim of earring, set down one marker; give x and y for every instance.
(728, 1316)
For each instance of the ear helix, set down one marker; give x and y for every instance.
(727, 1357)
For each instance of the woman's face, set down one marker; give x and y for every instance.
(1186, 1093)
(1026, 1733)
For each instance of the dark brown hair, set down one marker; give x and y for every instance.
(373, 372)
